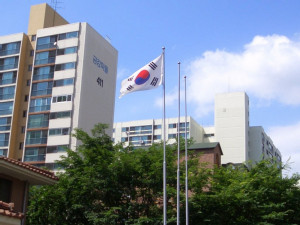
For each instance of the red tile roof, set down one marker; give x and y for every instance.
(35, 169)
(6, 209)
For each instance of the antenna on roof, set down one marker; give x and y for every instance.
(55, 3)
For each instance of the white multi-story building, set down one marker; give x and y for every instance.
(146, 132)
(58, 77)
(239, 142)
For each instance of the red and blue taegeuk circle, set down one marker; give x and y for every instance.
(142, 77)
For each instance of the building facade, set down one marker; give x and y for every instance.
(147, 132)
(239, 141)
(58, 77)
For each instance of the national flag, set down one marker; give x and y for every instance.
(148, 77)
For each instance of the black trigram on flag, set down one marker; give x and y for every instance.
(154, 81)
(130, 79)
(152, 65)
(129, 88)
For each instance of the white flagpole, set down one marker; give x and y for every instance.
(164, 140)
(186, 162)
(178, 150)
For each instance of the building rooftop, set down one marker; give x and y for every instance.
(205, 145)
(25, 171)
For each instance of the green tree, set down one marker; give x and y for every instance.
(239, 196)
(106, 184)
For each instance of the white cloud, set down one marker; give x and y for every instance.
(268, 68)
(123, 73)
(286, 139)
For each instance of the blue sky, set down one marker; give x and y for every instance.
(223, 45)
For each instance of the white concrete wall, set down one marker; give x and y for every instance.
(92, 102)
(231, 126)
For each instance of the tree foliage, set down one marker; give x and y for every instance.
(107, 184)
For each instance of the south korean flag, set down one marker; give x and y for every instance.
(148, 77)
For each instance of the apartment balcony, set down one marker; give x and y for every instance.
(43, 76)
(9, 66)
(39, 108)
(9, 52)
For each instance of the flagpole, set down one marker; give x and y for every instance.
(178, 150)
(164, 143)
(186, 162)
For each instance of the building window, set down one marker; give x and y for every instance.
(65, 51)
(6, 108)
(7, 93)
(10, 48)
(44, 57)
(173, 125)
(157, 137)
(43, 73)
(9, 63)
(5, 123)
(124, 139)
(26, 98)
(64, 82)
(35, 154)
(124, 129)
(40, 104)
(170, 136)
(24, 113)
(3, 152)
(21, 145)
(157, 127)
(36, 137)
(8, 77)
(28, 82)
(33, 37)
(29, 68)
(68, 35)
(31, 53)
(23, 129)
(65, 66)
(42, 88)
(59, 131)
(38, 120)
(63, 98)
(57, 148)
(5, 190)
(57, 115)
(4, 138)
(46, 42)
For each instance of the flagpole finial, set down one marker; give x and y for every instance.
(184, 77)
(178, 62)
(163, 48)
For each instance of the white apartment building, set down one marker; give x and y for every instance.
(62, 76)
(147, 132)
(239, 142)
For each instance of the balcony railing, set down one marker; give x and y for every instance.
(9, 66)
(42, 92)
(34, 158)
(8, 81)
(5, 111)
(39, 108)
(3, 143)
(33, 141)
(45, 46)
(38, 124)
(44, 61)
(4, 128)
(7, 96)
(9, 52)
(43, 76)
